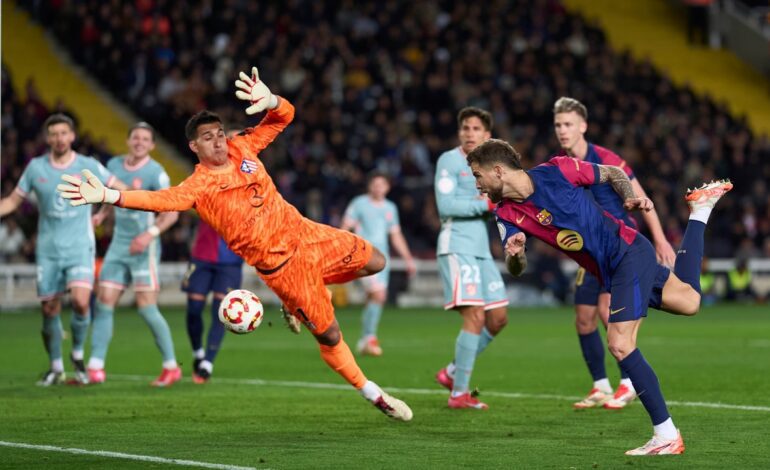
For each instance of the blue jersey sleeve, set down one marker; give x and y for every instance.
(450, 201)
(352, 212)
(506, 229)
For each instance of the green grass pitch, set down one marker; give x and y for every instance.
(272, 402)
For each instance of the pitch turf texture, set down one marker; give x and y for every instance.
(273, 403)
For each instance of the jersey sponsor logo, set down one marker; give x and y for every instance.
(544, 217)
(494, 286)
(255, 198)
(249, 166)
(569, 240)
(42, 180)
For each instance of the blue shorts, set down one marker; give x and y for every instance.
(56, 274)
(469, 280)
(202, 277)
(637, 283)
(587, 288)
(121, 267)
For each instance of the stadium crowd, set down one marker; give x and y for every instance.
(377, 86)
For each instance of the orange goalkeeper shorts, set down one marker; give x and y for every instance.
(325, 255)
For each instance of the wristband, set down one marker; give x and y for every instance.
(154, 231)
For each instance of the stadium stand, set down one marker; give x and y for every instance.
(377, 86)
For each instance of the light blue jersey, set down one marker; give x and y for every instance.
(147, 175)
(63, 230)
(120, 265)
(65, 237)
(463, 228)
(374, 221)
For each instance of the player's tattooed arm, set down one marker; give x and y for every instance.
(618, 179)
(622, 185)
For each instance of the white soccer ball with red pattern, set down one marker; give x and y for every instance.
(241, 311)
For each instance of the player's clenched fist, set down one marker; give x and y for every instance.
(638, 203)
(252, 89)
(90, 191)
(515, 244)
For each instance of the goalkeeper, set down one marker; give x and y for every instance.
(293, 255)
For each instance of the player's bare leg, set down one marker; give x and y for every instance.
(336, 353)
(375, 264)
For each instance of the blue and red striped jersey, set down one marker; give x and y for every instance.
(563, 215)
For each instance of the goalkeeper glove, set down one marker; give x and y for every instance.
(90, 191)
(252, 89)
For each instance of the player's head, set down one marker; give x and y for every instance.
(206, 138)
(378, 185)
(490, 162)
(140, 139)
(59, 133)
(474, 126)
(570, 122)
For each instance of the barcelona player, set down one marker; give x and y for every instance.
(570, 122)
(549, 202)
(294, 256)
(213, 268)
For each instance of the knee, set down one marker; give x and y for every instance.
(495, 322)
(330, 337)
(50, 309)
(691, 304)
(379, 296)
(81, 306)
(585, 323)
(376, 263)
(620, 347)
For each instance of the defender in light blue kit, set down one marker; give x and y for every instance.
(472, 283)
(133, 257)
(376, 219)
(65, 260)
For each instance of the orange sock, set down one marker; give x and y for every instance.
(342, 361)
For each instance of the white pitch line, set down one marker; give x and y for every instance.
(121, 455)
(437, 391)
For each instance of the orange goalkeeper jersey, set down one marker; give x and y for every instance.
(241, 201)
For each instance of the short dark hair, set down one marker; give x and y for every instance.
(59, 118)
(142, 125)
(472, 111)
(495, 151)
(199, 119)
(376, 174)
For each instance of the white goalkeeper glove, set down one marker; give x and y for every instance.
(252, 89)
(90, 191)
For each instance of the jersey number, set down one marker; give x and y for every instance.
(471, 274)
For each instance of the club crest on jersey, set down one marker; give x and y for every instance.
(248, 166)
(569, 240)
(544, 217)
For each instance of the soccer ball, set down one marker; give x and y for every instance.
(241, 311)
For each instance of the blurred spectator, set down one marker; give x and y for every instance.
(739, 282)
(707, 284)
(13, 244)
